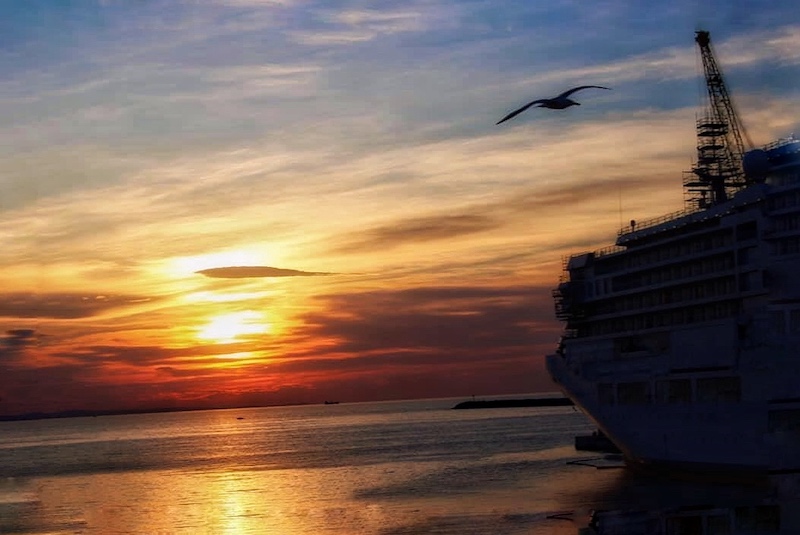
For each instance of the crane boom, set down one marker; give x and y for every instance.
(720, 147)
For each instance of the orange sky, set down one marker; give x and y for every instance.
(405, 245)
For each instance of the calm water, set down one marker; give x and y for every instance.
(381, 468)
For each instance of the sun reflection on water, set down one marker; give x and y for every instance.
(309, 469)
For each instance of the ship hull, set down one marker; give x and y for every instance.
(749, 436)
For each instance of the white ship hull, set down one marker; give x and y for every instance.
(709, 436)
(682, 341)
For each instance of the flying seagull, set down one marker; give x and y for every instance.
(556, 103)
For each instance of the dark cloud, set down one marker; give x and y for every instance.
(15, 341)
(485, 217)
(145, 357)
(243, 272)
(416, 230)
(61, 305)
(68, 387)
(424, 342)
(19, 337)
(574, 194)
(444, 319)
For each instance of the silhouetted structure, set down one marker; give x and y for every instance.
(681, 340)
(718, 173)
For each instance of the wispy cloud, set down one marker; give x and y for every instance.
(62, 305)
(417, 230)
(350, 26)
(16, 339)
(244, 272)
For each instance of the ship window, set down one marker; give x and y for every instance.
(787, 246)
(745, 256)
(758, 519)
(719, 524)
(636, 393)
(749, 281)
(746, 231)
(685, 524)
(794, 322)
(784, 420)
(605, 393)
(710, 389)
(674, 391)
(777, 326)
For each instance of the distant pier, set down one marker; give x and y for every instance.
(506, 403)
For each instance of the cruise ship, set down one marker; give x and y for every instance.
(682, 340)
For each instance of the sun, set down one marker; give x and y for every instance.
(232, 327)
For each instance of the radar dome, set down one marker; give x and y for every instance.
(756, 165)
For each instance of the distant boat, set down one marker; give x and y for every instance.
(331, 403)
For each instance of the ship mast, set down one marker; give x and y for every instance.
(718, 173)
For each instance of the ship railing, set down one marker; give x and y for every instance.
(649, 223)
(564, 277)
(780, 142)
(611, 249)
(569, 334)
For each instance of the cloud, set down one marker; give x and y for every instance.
(62, 305)
(298, 129)
(434, 340)
(415, 230)
(16, 340)
(450, 318)
(427, 341)
(351, 26)
(243, 272)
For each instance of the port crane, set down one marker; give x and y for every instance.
(718, 173)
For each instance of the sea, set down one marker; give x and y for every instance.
(388, 468)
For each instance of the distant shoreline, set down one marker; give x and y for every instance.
(505, 403)
(82, 413)
(88, 413)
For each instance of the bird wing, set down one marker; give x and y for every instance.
(565, 94)
(517, 112)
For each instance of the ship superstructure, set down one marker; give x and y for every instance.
(682, 340)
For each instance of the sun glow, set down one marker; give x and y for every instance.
(187, 265)
(230, 328)
(219, 297)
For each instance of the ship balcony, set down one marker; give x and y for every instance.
(775, 234)
(674, 306)
(775, 211)
(629, 234)
(687, 258)
(666, 284)
(570, 314)
(566, 309)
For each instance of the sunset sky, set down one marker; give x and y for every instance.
(398, 243)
